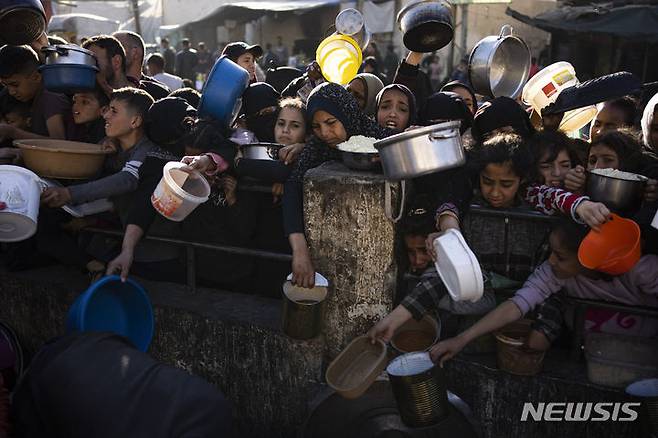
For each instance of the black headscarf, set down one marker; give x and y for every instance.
(413, 110)
(450, 86)
(499, 113)
(445, 105)
(169, 122)
(337, 101)
(257, 97)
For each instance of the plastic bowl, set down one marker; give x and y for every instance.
(68, 78)
(110, 305)
(615, 249)
(458, 267)
(61, 158)
(178, 193)
(221, 97)
(339, 57)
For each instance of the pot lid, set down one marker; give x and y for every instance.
(452, 125)
(62, 48)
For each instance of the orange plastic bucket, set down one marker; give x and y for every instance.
(615, 249)
(339, 57)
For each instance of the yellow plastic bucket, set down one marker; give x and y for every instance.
(339, 57)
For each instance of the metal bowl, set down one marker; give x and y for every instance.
(617, 194)
(261, 151)
(361, 160)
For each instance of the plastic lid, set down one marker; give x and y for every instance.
(410, 364)
(458, 267)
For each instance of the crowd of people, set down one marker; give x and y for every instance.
(151, 120)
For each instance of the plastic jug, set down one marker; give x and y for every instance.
(339, 57)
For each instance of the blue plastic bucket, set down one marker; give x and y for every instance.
(221, 97)
(110, 305)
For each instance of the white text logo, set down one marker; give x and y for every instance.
(580, 411)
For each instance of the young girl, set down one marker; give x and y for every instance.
(396, 107)
(365, 87)
(563, 272)
(611, 116)
(650, 125)
(554, 158)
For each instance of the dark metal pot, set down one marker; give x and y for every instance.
(21, 21)
(261, 151)
(361, 160)
(426, 25)
(68, 78)
(499, 65)
(617, 194)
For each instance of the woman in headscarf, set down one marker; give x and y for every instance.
(365, 87)
(260, 103)
(501, 115)
(334, 116)
(465, 91)
(396, 107)
(650, 125)
(444, 106)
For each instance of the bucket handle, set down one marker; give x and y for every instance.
(506, 31)
(388, 207)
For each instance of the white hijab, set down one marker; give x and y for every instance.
(647, 120)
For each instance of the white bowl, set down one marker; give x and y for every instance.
(458, 267)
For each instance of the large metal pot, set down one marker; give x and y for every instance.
(221, 97)
(69, 54)
(617, 194)
(500, 65)
(21, 21)
(350, 22)
(361, 160)
(426, 25)
(261, 151)
(422, 151)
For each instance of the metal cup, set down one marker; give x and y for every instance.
(302, 311)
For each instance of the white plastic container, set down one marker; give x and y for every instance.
(20, 190)
(178, 193)
(544, 88)
(458, 267)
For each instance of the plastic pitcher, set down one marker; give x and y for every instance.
(178, 193)
(339, 57)
(20, 191)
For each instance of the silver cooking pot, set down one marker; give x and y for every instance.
(426, 25)
(500, 65)
(422, 151)
(69, 54)
(350, 22)
(261, 151)
(617, 194)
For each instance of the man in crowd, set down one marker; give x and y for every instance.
(281, 52)
(204, 58)
(169, 55)
(186, 61)
(133, 44)
(245, 56)
(155, 65)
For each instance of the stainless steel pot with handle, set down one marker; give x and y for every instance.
(422, 151)
(69, 54)
(351, 22)
(500, 65)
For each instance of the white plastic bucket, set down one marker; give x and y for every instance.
(544, 87)
(654, 222)
(20, 190)
(178, 193)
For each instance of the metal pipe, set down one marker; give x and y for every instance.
(220, 248)
(636, 310)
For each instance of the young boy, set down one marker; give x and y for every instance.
(124, 122)
(19, 73)
(88, 110)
